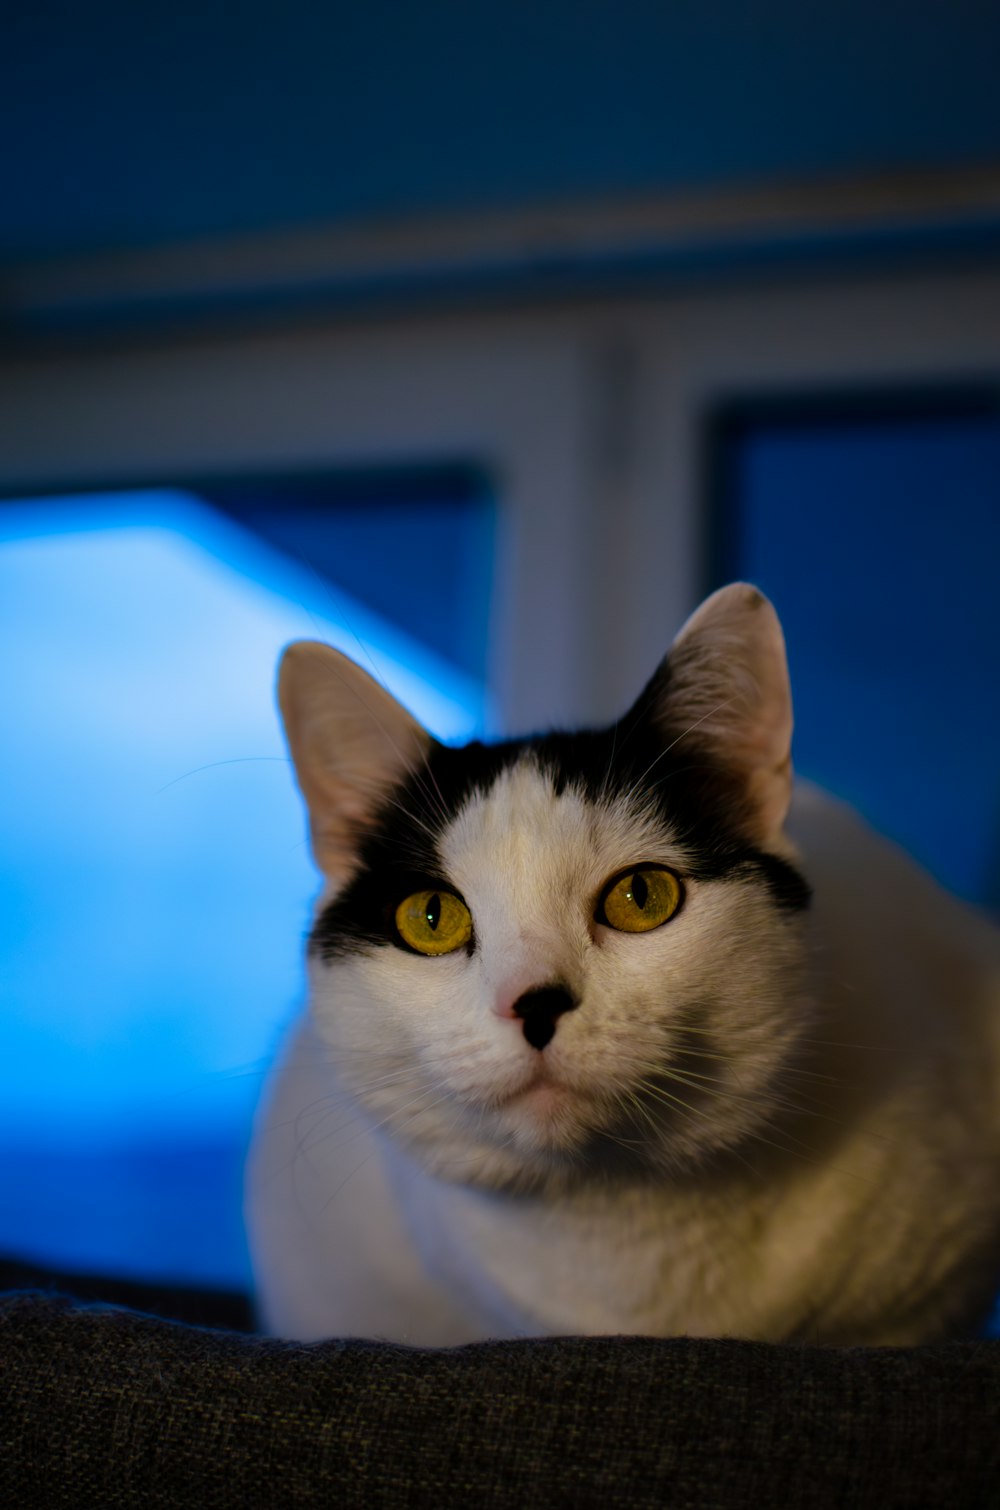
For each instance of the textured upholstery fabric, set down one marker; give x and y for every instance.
(108, 1407)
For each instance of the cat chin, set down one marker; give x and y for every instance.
(538, 1142)
(543, 1119)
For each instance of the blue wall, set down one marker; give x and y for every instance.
(130, 124)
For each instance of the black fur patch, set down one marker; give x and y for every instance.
(701, 799)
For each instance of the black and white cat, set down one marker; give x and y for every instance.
(597, 1043)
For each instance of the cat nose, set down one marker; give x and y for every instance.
(539, 1010)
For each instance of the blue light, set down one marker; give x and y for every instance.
(156, 882)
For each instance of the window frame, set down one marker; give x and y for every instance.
(591, 416)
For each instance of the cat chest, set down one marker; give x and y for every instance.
(531, 1267)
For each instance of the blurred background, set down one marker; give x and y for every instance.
(481, 341)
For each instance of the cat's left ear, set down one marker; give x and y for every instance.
(725, 685)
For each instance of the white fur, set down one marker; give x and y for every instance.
(828, 1167)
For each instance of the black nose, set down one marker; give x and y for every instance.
(539, 1010)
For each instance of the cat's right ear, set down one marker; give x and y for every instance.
(351, 742)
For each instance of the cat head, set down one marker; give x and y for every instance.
(536, 960)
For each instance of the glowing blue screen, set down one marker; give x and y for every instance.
(155, 883)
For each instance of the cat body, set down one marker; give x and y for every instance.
(706, 1058)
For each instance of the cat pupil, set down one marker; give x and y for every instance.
(433, 913)
(639, 890)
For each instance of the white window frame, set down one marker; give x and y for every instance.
(589, 414)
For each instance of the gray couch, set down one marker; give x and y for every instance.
(122, 1395)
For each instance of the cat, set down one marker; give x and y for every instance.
(614, 1032)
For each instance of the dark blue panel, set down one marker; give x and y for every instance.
(879, 541)
(420, 555)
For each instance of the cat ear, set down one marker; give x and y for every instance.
(351, 742)
(725, 682)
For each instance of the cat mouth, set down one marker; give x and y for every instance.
(542, 1101)
(540, 1081)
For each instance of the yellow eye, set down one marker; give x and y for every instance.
(640, 899)
(434, 922)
